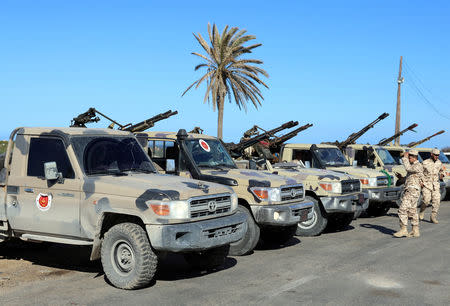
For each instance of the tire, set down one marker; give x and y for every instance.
(340, 221)
(278, 235)
(317, 224)
(251, 237)
(127, 257)
(378, 209)
(209, 259)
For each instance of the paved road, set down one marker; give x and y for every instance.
(361, 265)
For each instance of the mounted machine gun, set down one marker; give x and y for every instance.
(386, 141)
(416, 143)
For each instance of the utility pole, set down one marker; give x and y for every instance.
(397, 115)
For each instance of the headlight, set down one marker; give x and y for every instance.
(335, 187)
(234, 201)
(267, 194)
(170, 209)
(371, 181)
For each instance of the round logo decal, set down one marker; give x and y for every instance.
(204, 145)
(44, 201)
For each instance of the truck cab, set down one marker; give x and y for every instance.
(376, 184)
(273, 204)
(97, 187)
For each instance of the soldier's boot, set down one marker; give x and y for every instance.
(422, 211)
(403, 232)
(415, 231)
(433, 218)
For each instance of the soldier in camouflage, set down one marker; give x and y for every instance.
(413, 184)
(433, 171)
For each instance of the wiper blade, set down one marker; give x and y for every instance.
(108, 172)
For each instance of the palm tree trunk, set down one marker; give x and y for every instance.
(220, 107)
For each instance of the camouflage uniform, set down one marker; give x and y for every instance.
(408, 207)
(431, 190)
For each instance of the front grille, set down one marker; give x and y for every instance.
(202, 207)
(349, 186)
(291, 192)
(221, 231)
(382, 181)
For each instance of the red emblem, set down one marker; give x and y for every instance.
(204, 145)
(44, 201)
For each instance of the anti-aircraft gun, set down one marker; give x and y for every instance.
(196, 130)
(237, 150)
(353, 137)
(91, 116)
(386, 141)
(416, 143)
(275, 143)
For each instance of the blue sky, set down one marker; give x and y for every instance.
(333, 64)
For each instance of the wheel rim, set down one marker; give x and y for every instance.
(122, 257)
(309, 223)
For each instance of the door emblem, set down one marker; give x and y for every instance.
(44, 201)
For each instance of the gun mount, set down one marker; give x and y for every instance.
(416, 143)
(196, 130)
(276, 142)
(236, 150)
(353, 137)
(386, 141)
(91, 116)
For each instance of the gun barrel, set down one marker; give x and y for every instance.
(416, 143)
(386, 141)
(353, 137)
(282, 139)
(146, 124)
(87, 117)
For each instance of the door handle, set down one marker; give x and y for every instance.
(30, 190)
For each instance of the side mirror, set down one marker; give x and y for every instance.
(51, 172)
(307, 164)
(170, 165)
(355, 163)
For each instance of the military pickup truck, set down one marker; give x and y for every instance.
(327, 156)
(337, 197)
(97, 187)
(273, 204)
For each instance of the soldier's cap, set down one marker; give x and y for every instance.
(413, 152)
(435, 152)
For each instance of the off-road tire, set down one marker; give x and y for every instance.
(131, 241)
(279, 234)
(378, 209)
(317, 224)
(251, 237)
(340, 221)
(209, 259)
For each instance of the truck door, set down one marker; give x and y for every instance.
(41, 206)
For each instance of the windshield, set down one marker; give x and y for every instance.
(444, 158)
(396, 155)
(331, 157)
(385, 156)
(111, 155)
(209, 153)
(425, 155)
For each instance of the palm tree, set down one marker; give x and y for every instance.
(227, 73)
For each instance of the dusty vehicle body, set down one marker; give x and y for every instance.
(97, 187)
(273, 204)
(337, 196)
(328, 156)
(397, 153)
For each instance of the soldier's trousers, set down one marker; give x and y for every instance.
(433, 196)
(408, 207)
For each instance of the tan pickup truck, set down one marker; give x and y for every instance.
(97, 187)
(273, 204)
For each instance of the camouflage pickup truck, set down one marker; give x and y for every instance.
(97, 187)
(273, 204)
(337, 197)
(326, 156)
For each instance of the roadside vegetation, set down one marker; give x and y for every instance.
(3, 145)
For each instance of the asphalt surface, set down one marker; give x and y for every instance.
(362, 265)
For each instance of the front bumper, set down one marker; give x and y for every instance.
(355, 203)
(197, 235)
(386, 194)
(283, 214)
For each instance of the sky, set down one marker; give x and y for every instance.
(330, 63)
